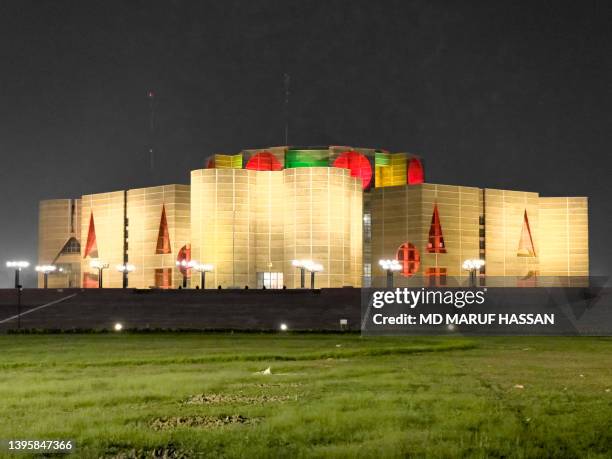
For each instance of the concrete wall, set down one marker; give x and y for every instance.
(144, 210)
(59, 220)
(564, 237)
(247, 222)
(403, 214)
(185, 309)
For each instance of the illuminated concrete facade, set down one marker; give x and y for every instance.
(158, 230)
(59, 233)
(524, 239)
(250, 214)
(251, 223)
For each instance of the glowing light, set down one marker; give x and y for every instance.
(17, 264)
(473, 264)
(390, 265)
(308, 265)
(284, 327)
(202, 267)
(45, 269)
(118, 327)
(98, 264)
(125, 268)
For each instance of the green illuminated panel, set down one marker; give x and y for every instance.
(306, 158)
(382, 159)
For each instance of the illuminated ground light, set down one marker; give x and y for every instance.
(358, 164)
(118, 327)
(284, 327)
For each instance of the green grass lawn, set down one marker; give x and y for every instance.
(127, 395)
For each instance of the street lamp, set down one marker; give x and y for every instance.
(203, 268)
(472, 265)
(390, 266)
(125, 269)
(183, 266)
(45, 270)
(17, 266)
(300, 264)
(100, 266)
(307, 265)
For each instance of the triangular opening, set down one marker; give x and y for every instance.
(91, 248)
(71, 246)
(163, 237)
(526, 247)
(436, 239)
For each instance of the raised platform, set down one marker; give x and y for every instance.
(320, 310)
(182, 309)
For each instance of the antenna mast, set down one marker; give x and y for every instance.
(287, 80)
(151, 97)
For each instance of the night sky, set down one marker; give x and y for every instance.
(505, 94)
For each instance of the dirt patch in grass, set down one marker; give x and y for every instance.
(270, 385)
(203, 422)
(168, 451)
(218, 399)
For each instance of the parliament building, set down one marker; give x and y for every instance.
(250, 215)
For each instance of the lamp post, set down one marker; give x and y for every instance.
(307, 265)
(313, 268)
(390, 266)
(18, 266)
(183, 266)
(203, 268)
(125, 269)
(45, 270)
(100, 266)
(300, 264)
(472, 265)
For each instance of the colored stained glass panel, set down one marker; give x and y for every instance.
(306, 158)
(416, 174)
(358, 164)
(409, 258)
(264, 161)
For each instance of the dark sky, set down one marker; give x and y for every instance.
(505, 94)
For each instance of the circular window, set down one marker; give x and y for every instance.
(358, 164)
(409, 258)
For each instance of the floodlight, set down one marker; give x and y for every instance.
(125, 268)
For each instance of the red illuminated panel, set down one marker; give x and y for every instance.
(436, 277)
(90, 280)
(358, 164)
(163, 237)
(436, 239)
(184, 254)
(163, 277)
(416, 174)
(91, 248)
(264, 161)
(526, 247)
(409, 258)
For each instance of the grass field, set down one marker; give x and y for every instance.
(189, 395)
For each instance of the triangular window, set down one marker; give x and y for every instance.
(71, 246)
(163, 237)
(526, 247)
(436, 239)
(91, 248)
